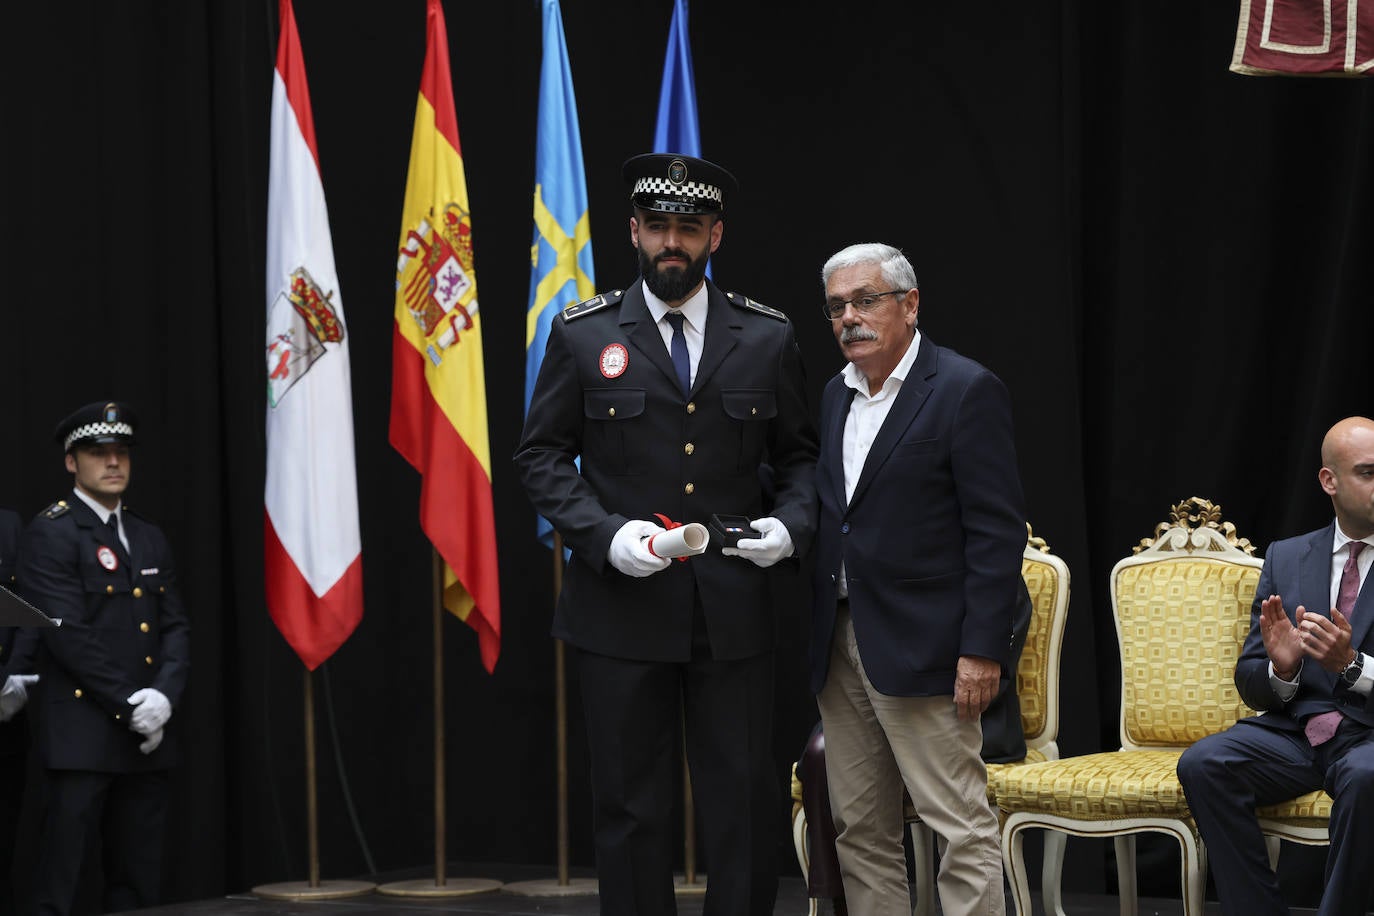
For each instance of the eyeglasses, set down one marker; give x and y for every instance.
(834, 308)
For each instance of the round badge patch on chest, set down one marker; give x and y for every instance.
(615, 359)
(107, 558)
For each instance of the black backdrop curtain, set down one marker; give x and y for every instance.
(1164, 261)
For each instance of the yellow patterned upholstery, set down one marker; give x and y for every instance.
(1097, 787)
(1036, 678)
(1182, 610)
(1313, 809)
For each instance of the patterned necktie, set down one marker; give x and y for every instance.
(682, 364)
(1321, 727)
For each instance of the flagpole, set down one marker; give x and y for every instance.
(688, 885)
(439, 885)
(564, 886)
(314, 888)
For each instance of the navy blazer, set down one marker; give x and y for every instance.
(932, 541)
(1299, 570)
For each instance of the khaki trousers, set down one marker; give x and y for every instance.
(875, 744)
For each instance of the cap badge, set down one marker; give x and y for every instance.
(677, 171)
(111, 413)
(615, 359)
(107, 558)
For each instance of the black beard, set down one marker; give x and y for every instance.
(673, 284)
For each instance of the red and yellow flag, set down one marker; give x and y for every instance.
(438, 392)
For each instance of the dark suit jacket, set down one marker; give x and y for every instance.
(1299, 570)
(646, 449)
(123, 628)
(932, 540)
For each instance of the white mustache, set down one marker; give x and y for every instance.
(855, 333)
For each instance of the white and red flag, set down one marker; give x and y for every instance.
(313, 551)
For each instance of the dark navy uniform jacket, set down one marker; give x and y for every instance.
(646, 448)
(123, 628)
(10, 528)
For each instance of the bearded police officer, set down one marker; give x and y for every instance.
(110, 675)
(673, 394)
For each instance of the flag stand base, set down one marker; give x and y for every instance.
(683, 888)
(302, 890)
(428, 887)
(549, 887)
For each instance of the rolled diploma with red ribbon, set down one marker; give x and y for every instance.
(684, 541)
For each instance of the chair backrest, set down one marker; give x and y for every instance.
(1182, 609)
(1037, 673)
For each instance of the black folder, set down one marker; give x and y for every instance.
(16, 612)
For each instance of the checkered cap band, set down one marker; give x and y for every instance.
(693, 190)
(97, 430)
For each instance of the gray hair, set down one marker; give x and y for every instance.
(896, 269)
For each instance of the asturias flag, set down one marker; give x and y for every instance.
(676, 128)
(438, 392)
(313, 556)
(561, 255)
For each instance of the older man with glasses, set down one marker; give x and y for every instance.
(917, 582)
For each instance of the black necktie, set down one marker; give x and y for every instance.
(682, 363)
(113, 523)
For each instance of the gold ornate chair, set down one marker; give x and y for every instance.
(1037, 684)
(1182, 608)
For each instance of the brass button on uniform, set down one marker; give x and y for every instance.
(143, 627)
(162, 589)
(611, 411)
(689, 448)
(691, 406)
(109, 589)
(689, 489)
(148, 659)
(77, 693)
(138, 592)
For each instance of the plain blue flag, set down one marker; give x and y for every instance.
(676, 130)
(561, 255)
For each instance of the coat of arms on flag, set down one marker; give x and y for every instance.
(433, 276)
(300, 322)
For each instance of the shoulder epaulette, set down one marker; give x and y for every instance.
(57, 509)
(594, 304)
(745, 302)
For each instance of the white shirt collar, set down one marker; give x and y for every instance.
(859, 382)
(694, 309)
(96, 507)
(1342, 539)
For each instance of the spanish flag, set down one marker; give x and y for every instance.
(438, 391)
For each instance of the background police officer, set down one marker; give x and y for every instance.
(111, 674)
(673, 394)
(15, 681)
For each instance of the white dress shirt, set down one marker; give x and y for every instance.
(866, 415)
(694, 328)
(105, 514)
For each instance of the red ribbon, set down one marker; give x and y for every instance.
(668, 525)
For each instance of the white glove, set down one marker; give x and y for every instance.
(15, 694)
(776, 543)
(152, 742)
(629, 550)
(151, 711)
